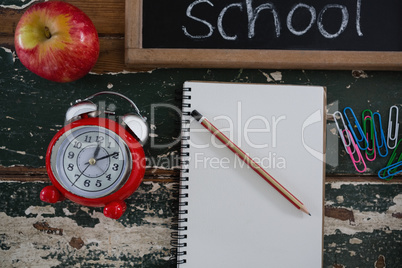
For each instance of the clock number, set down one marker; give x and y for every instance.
(109, 177)
(70, 155)
(88, 138)
(77, 144)
(70, 167)
(115, 155)
(100, 139)
(98, 183)
(115, 167)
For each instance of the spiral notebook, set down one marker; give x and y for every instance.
(229, 216)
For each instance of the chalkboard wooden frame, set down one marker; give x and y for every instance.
(138, 57)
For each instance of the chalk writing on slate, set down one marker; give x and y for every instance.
(259, 24)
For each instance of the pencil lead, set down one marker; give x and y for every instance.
(309, 214)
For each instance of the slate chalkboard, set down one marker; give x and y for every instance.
(323, 34)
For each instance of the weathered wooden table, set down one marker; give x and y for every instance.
(363, 214)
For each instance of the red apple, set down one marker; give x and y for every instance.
(57, 41)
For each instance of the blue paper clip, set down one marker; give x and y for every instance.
(395, 136)
(380, 141)
(390, 171)
(362, 137)
(346, 143)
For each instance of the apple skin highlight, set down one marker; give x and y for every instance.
(57, 41)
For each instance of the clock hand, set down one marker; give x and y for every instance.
(92, 161)
(81, 173)
(107, 156)
(97, 150)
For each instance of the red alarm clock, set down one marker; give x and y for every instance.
(95, 161)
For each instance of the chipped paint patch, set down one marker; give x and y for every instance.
(338, 266)
(14, 151)
(363, 222)
(273, 77)
(19, 7)
(155, 187)
(123, 72)
(398, 204)
(43, 240)
(76, 242)
(376, 209)
(397, 215)
(380, 263)
(7, 50)
(31, 234)
(45, 228)
(277, 76)
(67, 212)
(342, 214)
(20, 152)
(334, 131)
(355, 241)
(38, 210)
(339, 184)
(359, 74)
(339, 199)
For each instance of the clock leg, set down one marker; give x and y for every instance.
(115, 209)
(50, 194)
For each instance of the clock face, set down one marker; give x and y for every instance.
(91, 161)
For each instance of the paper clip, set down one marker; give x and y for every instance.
(346, 143)
(380, 141)
(369, 133)
(392, 158)
(395, 136)
(360, 159)
(390, 171)
(356, 125)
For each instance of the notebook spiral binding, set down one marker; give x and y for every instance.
(179, 235)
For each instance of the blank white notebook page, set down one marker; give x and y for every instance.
(234, 217)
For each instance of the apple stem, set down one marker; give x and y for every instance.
(47, 33)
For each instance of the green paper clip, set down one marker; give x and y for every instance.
(391, 160)
(367, 119)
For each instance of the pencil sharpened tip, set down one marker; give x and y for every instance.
(303, 208)
(309, 214)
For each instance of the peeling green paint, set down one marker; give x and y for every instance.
(140, 238)
(16, 198)
(339, 250)
(16, 4)
(364, 197)
(33, 109)
(153, 206)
